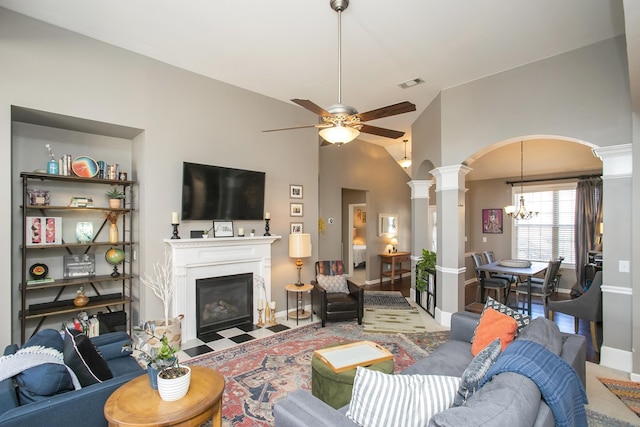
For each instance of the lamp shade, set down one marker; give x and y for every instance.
(394, 241)
(300, 245)
(339, 134)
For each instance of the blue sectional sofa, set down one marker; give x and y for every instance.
(72, 407)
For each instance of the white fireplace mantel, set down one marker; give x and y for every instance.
(194, 259)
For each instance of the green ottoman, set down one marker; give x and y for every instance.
(335, 389)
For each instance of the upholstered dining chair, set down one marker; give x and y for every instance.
(513, 280)
(335, 297)
(543, 290)
(588, 306)
(499, 286)
(539, 280)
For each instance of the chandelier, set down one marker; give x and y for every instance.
(405, 162)
(520, 211)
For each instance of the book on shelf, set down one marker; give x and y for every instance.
(39, 281)
(81, 202)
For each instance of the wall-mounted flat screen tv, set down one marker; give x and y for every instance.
(215, 192)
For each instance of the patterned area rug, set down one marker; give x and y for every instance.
(261, 372)
(627, 391)
(384, 320)
(386, 299)
(595, 419)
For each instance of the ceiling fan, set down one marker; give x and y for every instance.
(342, 123)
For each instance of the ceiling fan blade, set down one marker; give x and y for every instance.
(387, 133)
(389, 110)
(305, 103)
(295, 127)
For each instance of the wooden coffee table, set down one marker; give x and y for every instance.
(137, 404)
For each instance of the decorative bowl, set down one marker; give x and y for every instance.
(515, 263)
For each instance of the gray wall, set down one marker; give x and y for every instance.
(363, 166)
(582, 96)
(184, 116)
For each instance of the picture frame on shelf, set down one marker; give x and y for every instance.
(43, 230)
(222, 228)
(295, 209)
(79, 266)
(296, 228)
(38, 197)
(295, 191)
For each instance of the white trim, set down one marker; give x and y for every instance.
(617, 160)
(620, 290)
(447, 270)
(443, 317)
(451, 177)
(420, 188)
(634, 377)
(615, 358)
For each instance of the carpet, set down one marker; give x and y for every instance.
(384, 320)
(259, 373)
(386, 299)
(596, 419)
(627, 391)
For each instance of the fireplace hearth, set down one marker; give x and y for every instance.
(223, 302)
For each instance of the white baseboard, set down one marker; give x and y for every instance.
(616, 359)
(443, 317)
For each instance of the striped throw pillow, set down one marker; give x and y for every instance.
(384, 400)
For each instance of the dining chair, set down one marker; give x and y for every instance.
(499, 286)
(513, 280)
(544, 290)
(588, 306)
(556, 282)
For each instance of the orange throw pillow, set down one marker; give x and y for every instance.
(492, 325)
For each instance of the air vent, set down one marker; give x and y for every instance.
(411, 83)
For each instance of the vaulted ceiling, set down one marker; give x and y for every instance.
(288, 48)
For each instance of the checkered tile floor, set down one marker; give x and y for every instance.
(228, 338)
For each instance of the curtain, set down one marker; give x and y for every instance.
(588, 216)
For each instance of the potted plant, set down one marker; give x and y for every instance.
(115, 197)
(165, 373)
(425, 265)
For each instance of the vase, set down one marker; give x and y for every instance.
(81, 300)
(153, 377)
(174, 388)
(113, 233)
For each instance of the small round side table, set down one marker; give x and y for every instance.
(299, 312)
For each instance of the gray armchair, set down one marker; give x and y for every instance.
(331, 306)
(588, 306)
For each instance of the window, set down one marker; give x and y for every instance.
(549, 234)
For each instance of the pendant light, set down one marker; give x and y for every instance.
(405, 162)
(520, 211)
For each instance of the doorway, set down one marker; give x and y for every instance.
(354, 234)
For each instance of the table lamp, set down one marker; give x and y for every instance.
(394, 245)
(299, 247)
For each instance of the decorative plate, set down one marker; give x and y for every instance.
(38, 271)
(84, 167)
(515, 263)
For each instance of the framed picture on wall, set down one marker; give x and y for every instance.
(296, 209)
(492, 221)
(295, 191)
(296, 228)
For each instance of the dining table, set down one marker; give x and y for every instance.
(504, 267)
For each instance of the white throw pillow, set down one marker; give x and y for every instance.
(385, 400)
(334, 284)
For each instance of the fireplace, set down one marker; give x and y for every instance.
(223, 302)
(194, 259)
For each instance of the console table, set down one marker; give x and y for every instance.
(395, 260)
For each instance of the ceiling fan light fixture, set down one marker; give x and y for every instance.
(339, 134)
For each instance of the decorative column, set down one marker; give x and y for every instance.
(421, 232)
(450, 267)
(617, 298)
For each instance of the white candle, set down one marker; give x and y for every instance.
(267, 215)
(174, 218)
(240, 231)
(260, 304)
(272, 305)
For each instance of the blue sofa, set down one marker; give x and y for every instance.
(83, 407)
